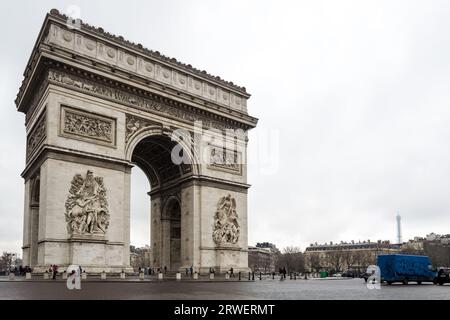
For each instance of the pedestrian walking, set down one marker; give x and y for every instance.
(55, 270)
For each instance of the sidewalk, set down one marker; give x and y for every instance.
(131, 278)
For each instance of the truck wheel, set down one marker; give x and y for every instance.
(419, 282)
(441, 283)
(405, 281)
(389, 282)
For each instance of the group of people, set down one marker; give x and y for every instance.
(53, 270)
(190, 271)
(150, 270)
(21, 271)
(282, 272)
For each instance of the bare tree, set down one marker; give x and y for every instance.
(335, 259)
(438, 253)
(5, 261)
(292, 259)
(314, 261)
(347, 257)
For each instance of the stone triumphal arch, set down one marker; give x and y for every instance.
(96, 105)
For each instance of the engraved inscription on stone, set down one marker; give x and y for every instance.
(226, 226)
(123, 97)
(87, 206)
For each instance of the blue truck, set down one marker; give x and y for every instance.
(404, 268)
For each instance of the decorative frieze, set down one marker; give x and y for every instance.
(151, 104)
(226, 226)
(87, 126)
(37, 135)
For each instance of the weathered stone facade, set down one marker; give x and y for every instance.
(97, 105)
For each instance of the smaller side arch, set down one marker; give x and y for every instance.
(168, 205)
(35, 191)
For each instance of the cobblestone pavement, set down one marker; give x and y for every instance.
(205, 290)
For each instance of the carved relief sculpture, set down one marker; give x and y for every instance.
(82, 125)
(226, 226)
(227, 160)
(134, 124)
(91, 127)
(87, 206)
(134, 100)
(37, 135)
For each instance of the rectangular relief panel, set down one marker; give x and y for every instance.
(225, 160)
(37, 135)
(87, 126)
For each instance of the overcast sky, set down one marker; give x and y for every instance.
(352, 97)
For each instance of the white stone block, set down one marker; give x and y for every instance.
(28, 275)
(178, 276)
(227, 276)
(160, 276)
(103, 276)
(141, 276)
(84, 276)
(122, 275)
(195, 276)
(211, 276)
(46, 276)
(12, 276)
(64, 275)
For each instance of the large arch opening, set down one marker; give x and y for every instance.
(152, 154)
(139, 220)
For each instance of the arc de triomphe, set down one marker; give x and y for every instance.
(95, 106)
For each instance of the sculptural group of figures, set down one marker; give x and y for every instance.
(86, 206)
(226, 226)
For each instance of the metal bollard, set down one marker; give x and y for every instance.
(295, 275)
(253, 276)
(260, 276)
(273, 275)
(249, 276)
(290, 275)
(239, 276)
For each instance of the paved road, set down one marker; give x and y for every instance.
(265, 289)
